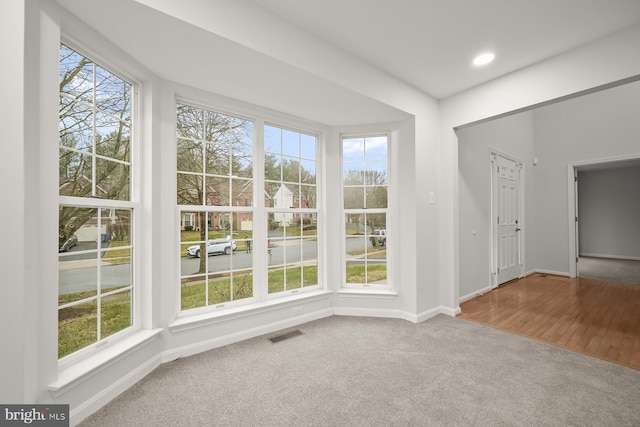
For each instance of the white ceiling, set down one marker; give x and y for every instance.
(431, 43)
(221, 46)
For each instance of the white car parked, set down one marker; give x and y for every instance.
(215, 246)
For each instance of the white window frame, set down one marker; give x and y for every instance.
(132, 204)
(297, 211)
(210, 209)
(388, 286)
(260, 117)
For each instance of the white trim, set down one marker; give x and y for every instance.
(86, 368)
(97, 401)
(374, 312)
(200, 346)
(474, 294)
(388, 211)
(396, 314)
(450, 311)
(364, 292)
(188, 321)
(609, 256)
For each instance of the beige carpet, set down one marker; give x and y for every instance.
(351, 371)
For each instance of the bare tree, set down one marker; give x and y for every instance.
(94, 136)
(214, 162)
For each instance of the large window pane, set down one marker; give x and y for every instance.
(290, 168)
(95, 265)
(95, 117)
(365, 190)
(216, 257)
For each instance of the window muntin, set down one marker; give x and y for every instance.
(365, 193)
(94, 129)
(214, 182)
(95, 267)
(290, 184)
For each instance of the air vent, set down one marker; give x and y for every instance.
(285, 336)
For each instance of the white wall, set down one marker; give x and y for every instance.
(12, 291)
(596, 126)
(611, 59)
(29, 305)
(513, 136)
(599, 126)
(609, 212)
(428, 156)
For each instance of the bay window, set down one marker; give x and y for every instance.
(222, 204)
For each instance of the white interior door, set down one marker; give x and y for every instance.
(509, 266)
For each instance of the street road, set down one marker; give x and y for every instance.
(78, 277)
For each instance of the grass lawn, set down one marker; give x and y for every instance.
(78, 325)
(193, 293)
(375, 272)
(292, 231)
(118, 256)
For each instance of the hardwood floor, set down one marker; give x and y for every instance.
(595, 317)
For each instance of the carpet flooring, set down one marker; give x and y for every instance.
(617, 270)
(359, 371)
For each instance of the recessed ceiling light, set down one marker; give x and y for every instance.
(483, 59)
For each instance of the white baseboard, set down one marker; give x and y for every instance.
(426, 315)
(474, 294)
(112, 391)
(396, 314)
(632, 258)
(449, 311)
(373, 312)
(199, 347)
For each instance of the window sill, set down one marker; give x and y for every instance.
(188, 322)
(375, 293)
(84, 369)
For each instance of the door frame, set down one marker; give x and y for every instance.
(493, 269)
(573, 217)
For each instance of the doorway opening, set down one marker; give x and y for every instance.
(603, 214)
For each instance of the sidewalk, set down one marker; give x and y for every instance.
(81, 263)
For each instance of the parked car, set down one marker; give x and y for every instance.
(379, 237)
(215, 246)
(69, 243)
